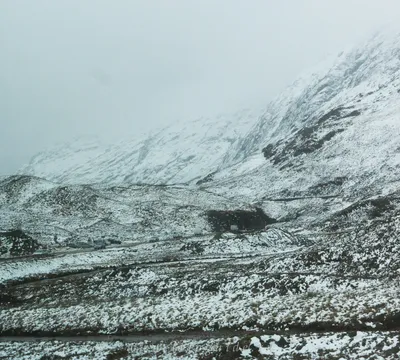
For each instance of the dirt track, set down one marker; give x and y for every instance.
(153, 338)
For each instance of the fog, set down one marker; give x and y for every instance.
(117, 68)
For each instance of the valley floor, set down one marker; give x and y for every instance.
(327, 345)
(169, 285)
(267, 294)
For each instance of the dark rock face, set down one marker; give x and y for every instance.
(310, 138)
(222, 220)
(373, 208)
(13, 185)
(17, 243)
(206, 179)
(328, 187)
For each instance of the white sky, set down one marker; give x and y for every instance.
(114, 68)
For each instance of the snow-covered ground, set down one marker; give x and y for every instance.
(357, 345)
(313, 181)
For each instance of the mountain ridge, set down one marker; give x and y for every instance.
(179, 162)
(363, 81)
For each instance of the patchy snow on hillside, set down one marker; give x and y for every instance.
(284, 222)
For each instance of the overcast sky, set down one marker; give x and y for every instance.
(116, 67)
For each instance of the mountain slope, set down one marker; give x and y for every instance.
(179, 153)
(340, 122)
(330, 141)
(340, 118)
(291, 232)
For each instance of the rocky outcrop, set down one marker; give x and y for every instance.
(226, 220)
(17, 243)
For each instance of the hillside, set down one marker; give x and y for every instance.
(270, 235)
(180, 153)
(337, 121)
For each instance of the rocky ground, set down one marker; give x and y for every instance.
(329, 289)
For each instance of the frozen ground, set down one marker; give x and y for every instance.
(328, 286)
(354, 345)
(284, 223)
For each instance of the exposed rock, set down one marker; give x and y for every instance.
(17, 243)
(221, 220)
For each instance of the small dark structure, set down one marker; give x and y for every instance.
(245, 220)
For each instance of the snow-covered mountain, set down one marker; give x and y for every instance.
(179, 153)
(340, 120)
(289, 226)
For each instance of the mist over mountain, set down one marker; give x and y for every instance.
(266, 233)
